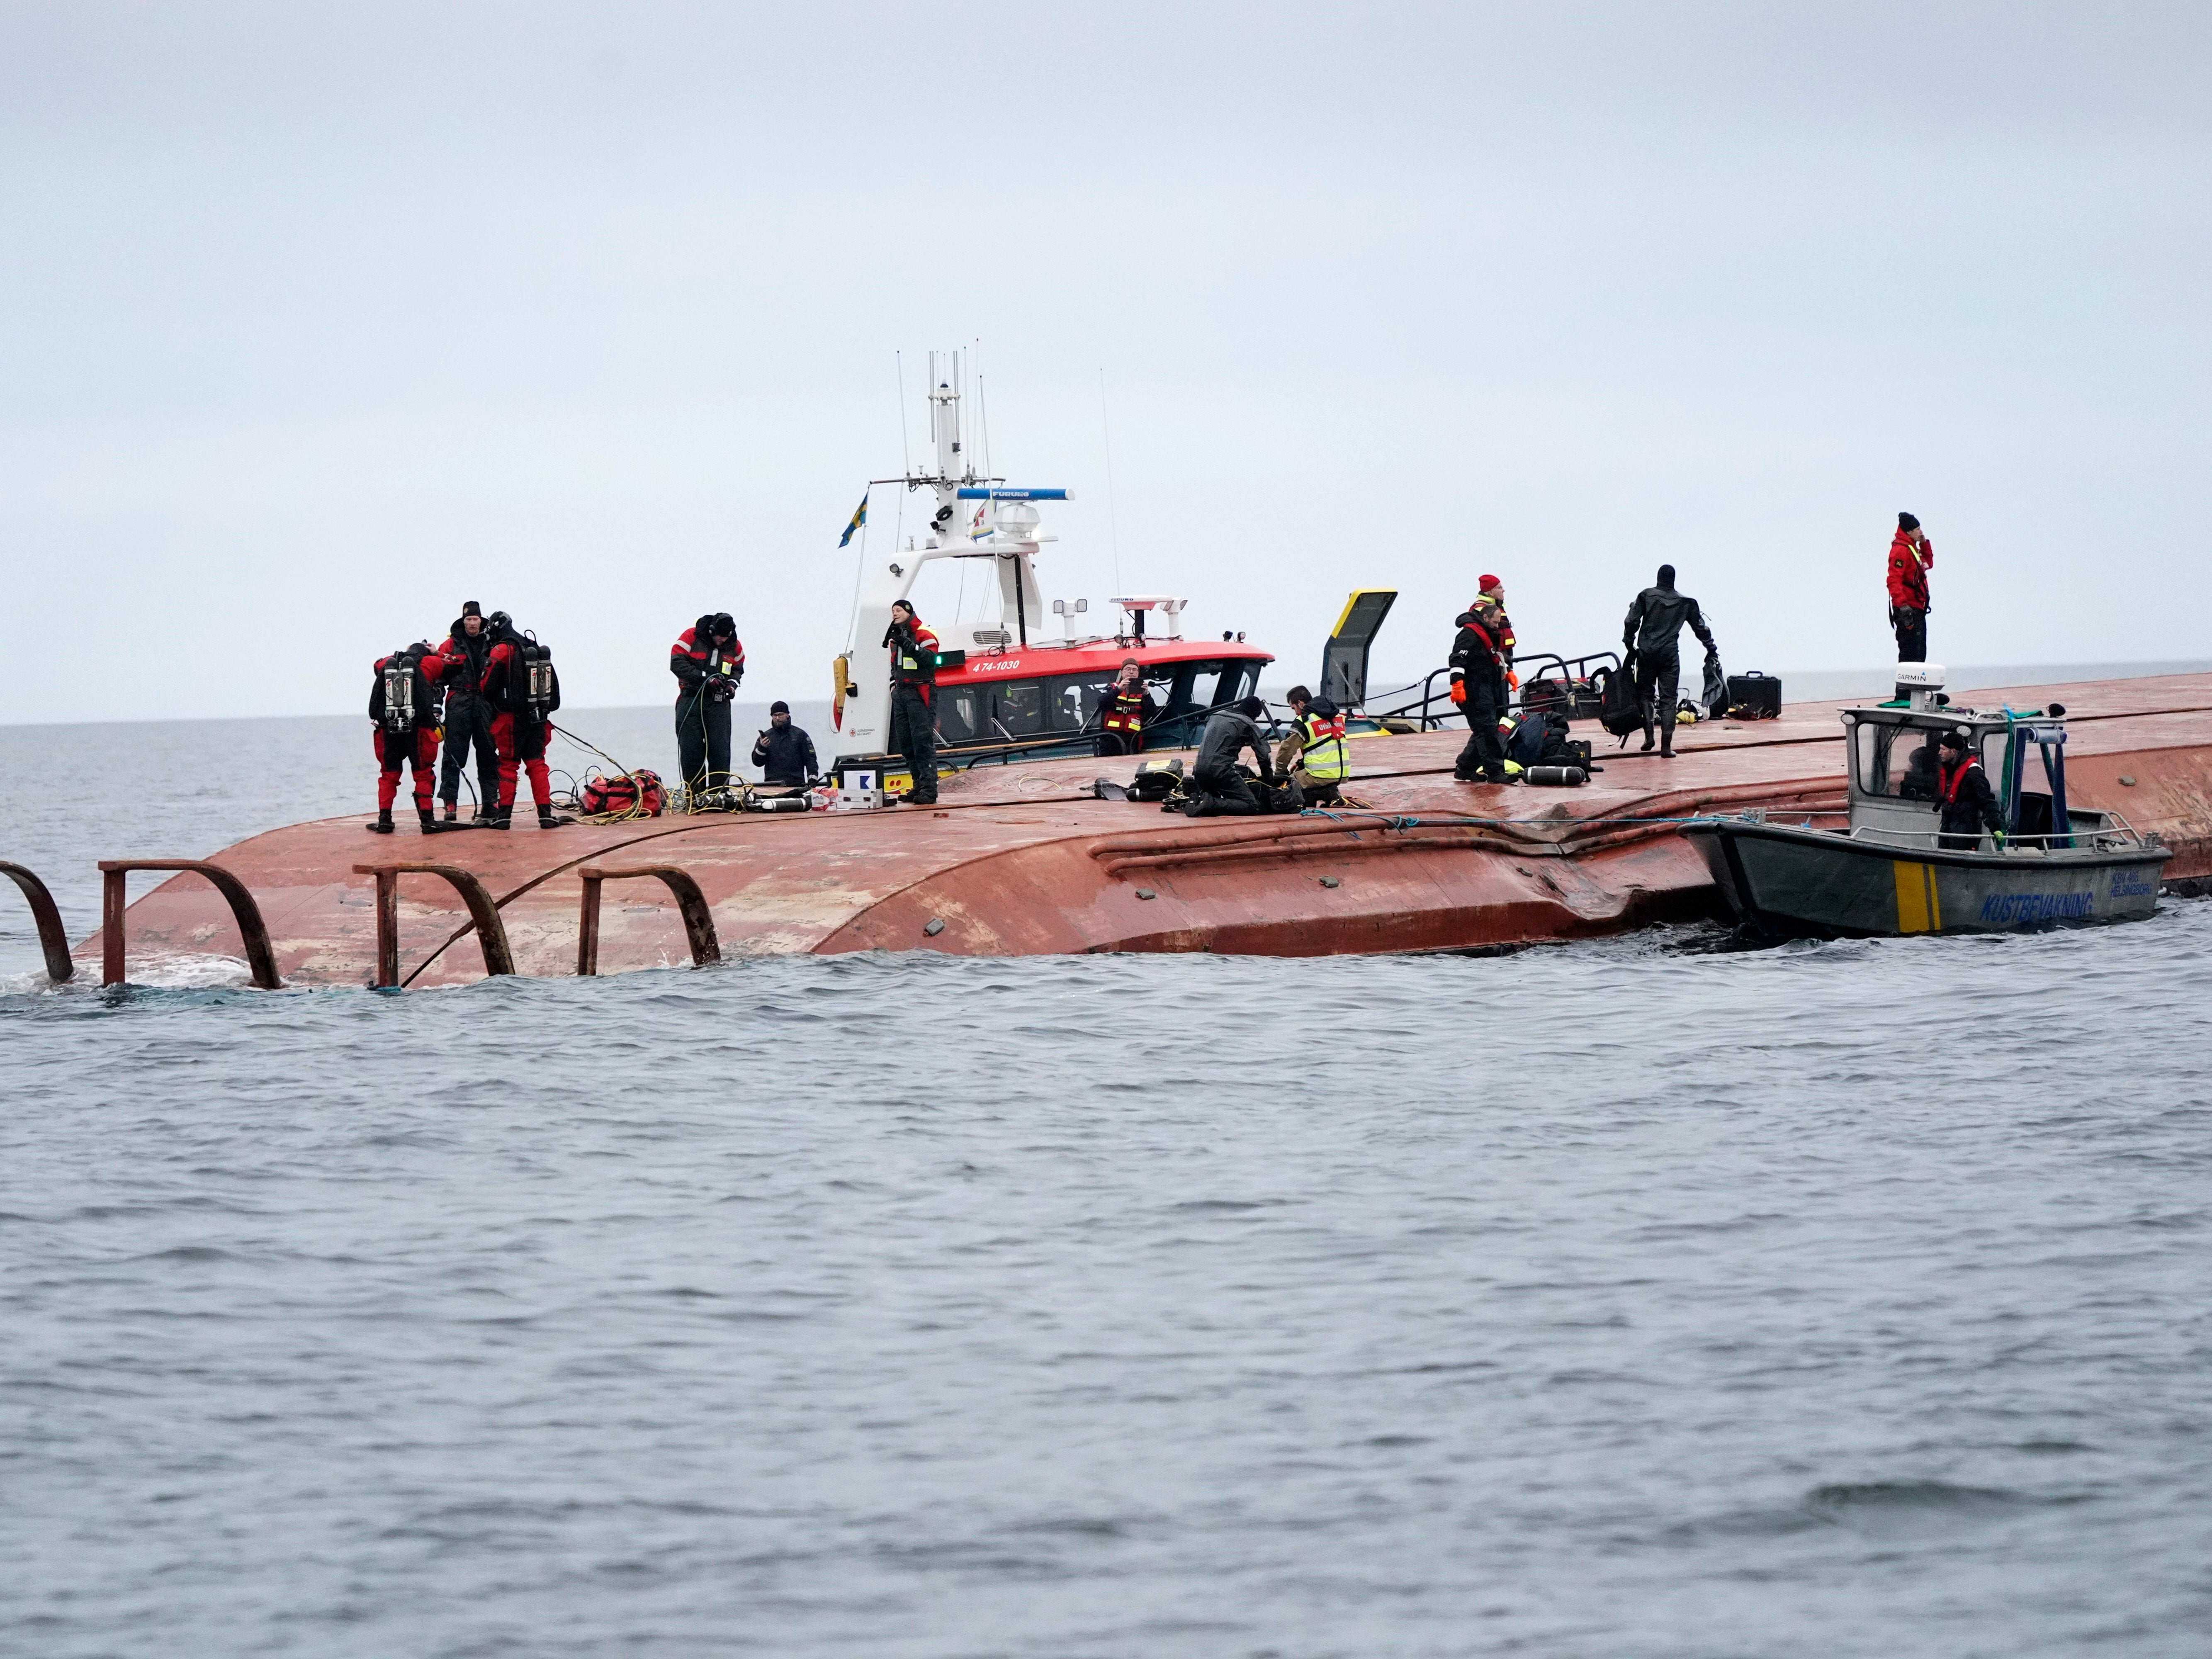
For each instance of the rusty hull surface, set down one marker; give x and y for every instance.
(1021, 860)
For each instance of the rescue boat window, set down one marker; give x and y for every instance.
(1183, 698)
(1074, 703)
(1863, 733)
(1015, 709)
(956, 713)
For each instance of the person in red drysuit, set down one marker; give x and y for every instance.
(405, 712)
(1910, 555)
(522, 689)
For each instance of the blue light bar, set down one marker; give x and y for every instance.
(1012, 495)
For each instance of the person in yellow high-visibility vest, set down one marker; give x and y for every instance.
(1322, 763)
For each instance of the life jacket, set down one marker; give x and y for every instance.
(1322, 756)
(633, 794)
(402, 699)
(1482, 654)
(917, 667)
(1125, 711)
(1950, 779)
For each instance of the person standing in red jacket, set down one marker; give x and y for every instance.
(522, 689)
(1910, 555)
(406, 711)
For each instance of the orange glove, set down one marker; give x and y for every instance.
(1459, 691)
(1512, 680)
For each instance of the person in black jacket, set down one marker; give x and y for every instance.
(784, 752)
(1970, 805)
(1478, 671)
(1651, 636)
(1228, 732)
(468, 716)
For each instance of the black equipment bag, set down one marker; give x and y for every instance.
(1753, 696)
(1155, 780)
(1618, 711)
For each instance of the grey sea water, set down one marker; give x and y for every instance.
(1620, 1299)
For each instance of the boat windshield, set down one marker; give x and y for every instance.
(1898, 761)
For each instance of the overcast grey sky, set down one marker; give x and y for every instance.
(315, 320)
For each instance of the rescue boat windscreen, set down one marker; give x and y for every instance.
(986, 711)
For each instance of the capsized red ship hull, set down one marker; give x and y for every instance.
(1022, 860)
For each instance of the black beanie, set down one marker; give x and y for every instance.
(1251, 708)
(1906, 521)
(471, 608)
(1666, 576)
(779, 709)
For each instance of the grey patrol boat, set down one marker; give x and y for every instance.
(1891, 872)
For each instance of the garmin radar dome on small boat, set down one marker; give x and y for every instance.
(1028, 678)
(1895, 867)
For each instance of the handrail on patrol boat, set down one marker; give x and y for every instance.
(491, 931)
(2121, 834)
(698, 919)
(53, 940)
(112, 873)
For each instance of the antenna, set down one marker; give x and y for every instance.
(906, 454)
(982, 409)
(1113, 518)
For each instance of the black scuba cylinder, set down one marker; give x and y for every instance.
(399, 674)
(1567, 777)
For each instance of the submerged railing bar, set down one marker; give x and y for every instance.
(698, 919)
(53, 941)
(260, 959)
(491, 931)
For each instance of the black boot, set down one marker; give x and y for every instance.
(502, 818)
(547, 819)
(383, 824)
(430, 824)
(453, 810)
(1647, 740)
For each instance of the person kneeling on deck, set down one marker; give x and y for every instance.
(1313, 755)
(709, 660)
(1970, 805)
(784, 752)
(1124, 715)
(1651, 637)
(523, 690)
(1478, 685)
(1228, 732)
(913, 651)
(405, 710)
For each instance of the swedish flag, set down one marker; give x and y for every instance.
(860, 518)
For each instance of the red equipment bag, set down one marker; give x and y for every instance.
(636, 793)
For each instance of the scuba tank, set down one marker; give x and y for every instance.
(1557, 776)
(397, 681)
(534, 664)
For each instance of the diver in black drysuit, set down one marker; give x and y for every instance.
(1229, 732)
(1651, 632)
